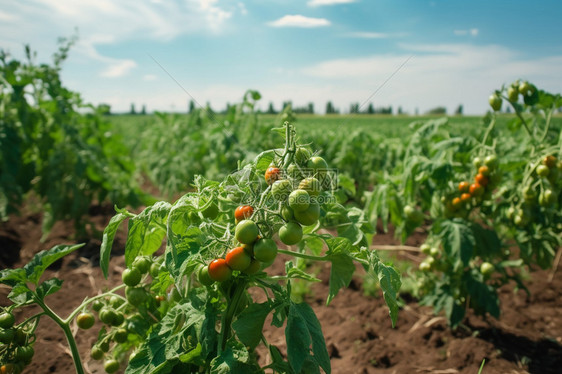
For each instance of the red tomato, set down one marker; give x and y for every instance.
(243, 212)
(272, 174)
(481, 180)
(238, 259)
(476, 189)
(464, 186)
(219, 270)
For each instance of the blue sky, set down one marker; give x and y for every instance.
(457, 51)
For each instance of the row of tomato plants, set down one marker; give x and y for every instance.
(490, 204)
(189, 309)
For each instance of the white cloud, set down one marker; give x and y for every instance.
(374, 35)
(471, 32)
(118, 69)
(442, 74)
(315, 3)
(242, 8)
(103, 22)
(298, 20)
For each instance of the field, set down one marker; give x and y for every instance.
(243, 242)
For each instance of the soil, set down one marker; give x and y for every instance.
(357, 328)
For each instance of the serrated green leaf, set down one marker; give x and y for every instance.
(390, 283)
(42, 260)
(48, 287)
(235, 359)
(302, 331)
(107, 243)
(458, 240)
(249, 324)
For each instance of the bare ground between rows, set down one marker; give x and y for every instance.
(357, 329)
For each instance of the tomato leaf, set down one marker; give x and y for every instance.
(302, 331)
(108, 236)
(294, 272)
(48, 287)
(457, 238)
(342, 265)
(249, 324)
(42, 260)
(233, 360)
(146, 231)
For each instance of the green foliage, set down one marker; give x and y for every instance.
(53, 144)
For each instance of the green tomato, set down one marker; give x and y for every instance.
(302, 155)
(294, 171)
(203, 276)
(119, 319)
(85, 320)
(111, 366)
(299, 200)
(96, 353)
(477, 162)
(142, 263)
(287, 213)
(6, 336)
(491, 161)
(311, 185)
(155, 270)
(425, 248)
(547, 198)
(120, 335)
(512, 94)
(135, 296)
(24, 354)
(290, 233)
(525, 88)
(318, 165)
(7, 320)
(425, 266)
(97, 305)
(543, 171)
(107, 315)
(495, 102)
(486, 269)
(281, 189)
(265, 250)
(309, 216)
(131, 277)
(253, 268)
(246, 231)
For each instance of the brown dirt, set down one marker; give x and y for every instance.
(357, 329)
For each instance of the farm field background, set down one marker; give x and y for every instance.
(248, 242)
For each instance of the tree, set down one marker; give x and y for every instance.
(354, 108)
(311, 108)
(438, 110)
(400, 110)
(191, 106)
(143, 110)
(133, 109)
(104, 109)
(459, 110)
(330, 108)
(371, 109)
(271, 109)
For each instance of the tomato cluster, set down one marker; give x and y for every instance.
(541, 193)
(16, 345)
(470, 195)
(127, 319)
(247, 258)
(527, 90)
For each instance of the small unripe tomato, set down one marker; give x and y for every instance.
(512, 94)
(85, 320)
(96, 353)
(543, 171)
(299, 200)
(246, 231)
(425, 248)
(465, 197)
(495, 102)
(204, 277)
(486, 269)
(131, 277)
(142, 263)
(549, 161)
(253, 268)
(290, 233)
(111, 366)
(7, 320)
(265, 250)
(491, 161)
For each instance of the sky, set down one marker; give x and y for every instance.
(414, 54)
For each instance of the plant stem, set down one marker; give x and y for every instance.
(226, 320)
(489, 130)
(65, 326)
(303, 255)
